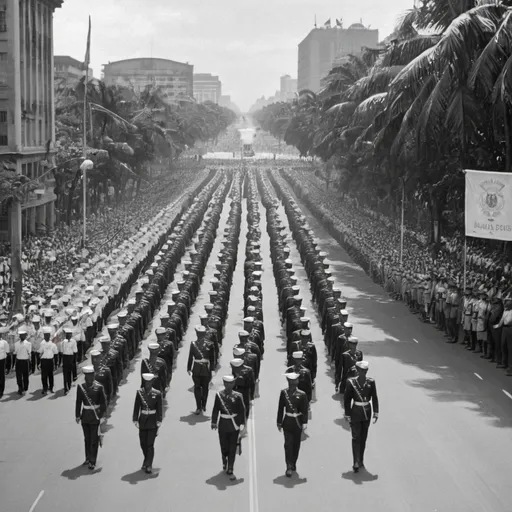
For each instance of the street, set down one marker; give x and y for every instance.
(441, 442)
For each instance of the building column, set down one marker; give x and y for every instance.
(40, 219)
(50, 216)
(30, 214)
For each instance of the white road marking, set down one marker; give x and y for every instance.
(478, 376)
(34, 505)
(507, 393)
(253, 486)
(415, 340)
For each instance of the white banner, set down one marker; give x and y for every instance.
(489, 205)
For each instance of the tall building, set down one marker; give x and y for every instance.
(174, 78)
(225, 101)
(318, 50)
(207, 88)
(69, 71)
(288, 88)
(27, 114)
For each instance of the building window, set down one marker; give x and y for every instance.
(3, 116)
(3, 21)
(3, 56)
(3, 140)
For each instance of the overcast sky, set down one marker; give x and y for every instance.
(249, 44)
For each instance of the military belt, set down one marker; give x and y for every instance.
(202, 361)
(294, 414)
(91, 407)
(153, 411)
(361, 404)
(227, 416)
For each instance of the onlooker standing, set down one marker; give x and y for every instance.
(22, 351)
(48, 351)
(36, 337)
(4, 352)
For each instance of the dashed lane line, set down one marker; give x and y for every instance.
(34, 505)
(415, 340)
(507, 393)
(476, 374)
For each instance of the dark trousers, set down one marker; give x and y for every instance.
(2, 376)
(496, 340)
(506, 347)
(47, 373)
(35, 359)
(68, 361)
(292, 440)
(359, 437)
(201, 388)
(147, 443)
(22, 368)
(91, 441)
(80, 354)
(228, 442)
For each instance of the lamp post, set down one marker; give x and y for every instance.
(85, 166)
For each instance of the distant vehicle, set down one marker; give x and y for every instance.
(247, 150)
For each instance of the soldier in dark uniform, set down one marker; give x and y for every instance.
(359, 392)
(111, 359)
(341, 342)
(305, 382)
(292, 418)
(310, 354)
(155, 365)
(245, 382)
(167, 351)
(228, 416)
(347, 367)
(102, 374)
(250, 359)
(201, 359)
(90, 407)
(147, 417)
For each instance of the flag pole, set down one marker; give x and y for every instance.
(84, 139)
(402, 224)
(465, 258)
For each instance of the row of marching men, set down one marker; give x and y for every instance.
(232, 404)
(341, 345)
(125, 335)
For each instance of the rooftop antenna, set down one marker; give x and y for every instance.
(315, 20)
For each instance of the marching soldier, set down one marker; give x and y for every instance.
(360, 391)
(305, 384)
(102, 374)
(147, 417)
(347, 367)
(244, 382)
(48, 350)
(22, 351)
(69, 351)
(201, 359)
(155, 365)
(292, 419)
(90, 407)
(228, 417)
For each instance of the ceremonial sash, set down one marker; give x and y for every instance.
(358, 392)
(228, 411)
(290, 405)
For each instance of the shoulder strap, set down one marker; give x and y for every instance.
(197, 348)
(291, 406)
(228, 411)
(143, 400)
(358, 392)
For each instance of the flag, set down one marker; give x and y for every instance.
(87, 59)
(339, 22)
(327, 24)
(488, 205)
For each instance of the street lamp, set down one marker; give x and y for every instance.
(85, 166)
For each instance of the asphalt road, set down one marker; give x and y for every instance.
(441, 443)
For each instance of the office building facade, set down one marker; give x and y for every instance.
(207, 87)
(27, 114)
(68, 71)
(319, 49)
(175, 79)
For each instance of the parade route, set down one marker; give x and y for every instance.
(440, 444)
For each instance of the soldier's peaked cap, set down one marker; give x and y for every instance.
(160, 330)
(292, 376)
(344, 312)
(243, 334)
(148, 376)
(200, 328)
(112, 326)
(228, 378)
(88, 369)
(248, 319)
(236, 362)
(95, 353)
(104, 339)
(153, 346)
(364, 365)
(298, 354)
(305, 332)
(348, 325)
(353, 339)
(237, 351)
(47, 330)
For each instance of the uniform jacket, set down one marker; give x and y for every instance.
(97, 398)
(228, 403)
(103, 375)
(293, 403)
(158, 368)
(151, 402)
(366, 393)
(347, 367)
(201, 351)
(305, 382)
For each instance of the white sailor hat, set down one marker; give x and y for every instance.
(298, 354)
(113, 326)
(212, 293)
(22, 330)
(228, 378)
(89, 288)
(236, 362)
(348, 325)
(214, 280)
(67, 330)
(295, 288)
(69, 311)
(88, 369)
(148, 377)
(200, 328)
(104, 339)
(47, 330)
(54, 303)
(248, 320)
(292, 376)
(344, 312)
(36, 319)
(48, 313)
(32, 308)
(238, 351)
(132, 302)
(353, 339)
(95, 353)
(257, 273)
(364, 365)
(154, 264)
(160, 330)
(208, 307)
(251, 308)
(305, 319)
(305, 332)
(293, 279)
(243, 334)
(153, 346)
(122, 314)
